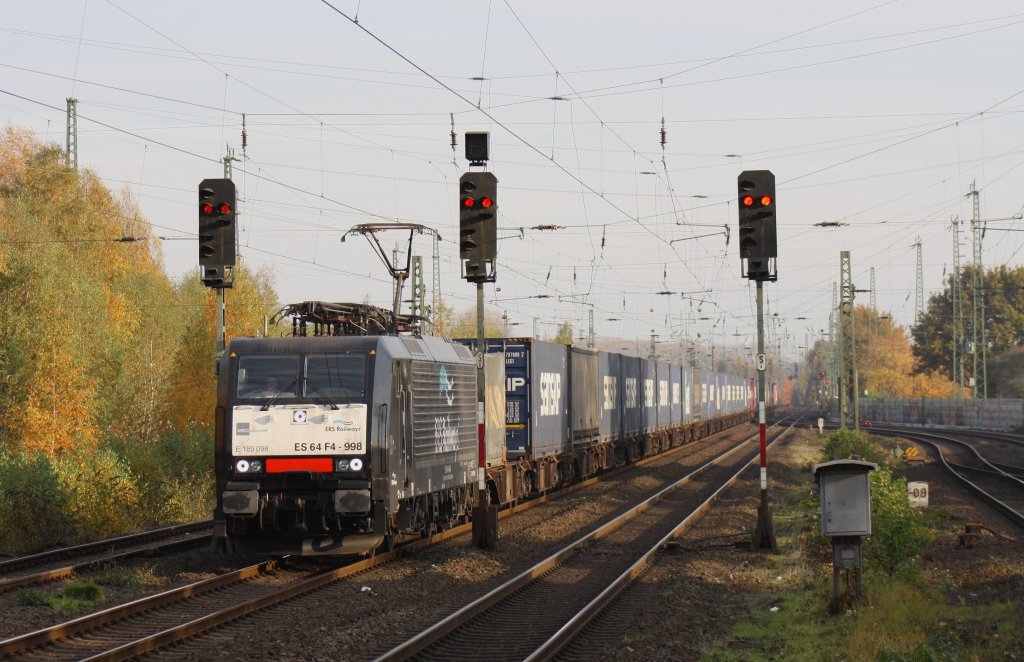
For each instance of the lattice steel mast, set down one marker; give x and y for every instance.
(978, 300)
(848, 345)
(958, 333)
(72, 133)
(919, 291)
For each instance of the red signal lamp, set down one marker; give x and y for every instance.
(468, 202)
(206, 208)
(224, 208)
(766, 200)
(748, 201)
(486, 202)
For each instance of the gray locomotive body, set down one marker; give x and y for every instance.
(339, 444)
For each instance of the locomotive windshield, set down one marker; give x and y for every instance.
(335, 375)
(317, 376)
(268, 376)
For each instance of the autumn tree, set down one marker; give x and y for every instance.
(885, 362)
(564, 334)
(192, 383)
(1004, 319)
(81, 282)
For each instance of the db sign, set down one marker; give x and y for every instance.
(917, 494)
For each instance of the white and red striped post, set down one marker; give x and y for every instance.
(764, 534)
(485, 517)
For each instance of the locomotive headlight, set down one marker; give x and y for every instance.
(242, 466)
(343, 464)
(255, 466)
(356, 464)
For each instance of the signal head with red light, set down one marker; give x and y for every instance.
(758, 244)
(217, 241)
(478, 225)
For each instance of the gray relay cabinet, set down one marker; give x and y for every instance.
(845, 497)
(845, 517)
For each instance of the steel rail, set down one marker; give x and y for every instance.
(571, 629)
(103, 545)
(119, 612)
(65, 572)
(170, 635)
(1011, 513)
(478, 606)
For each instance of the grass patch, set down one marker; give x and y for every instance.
(76, 596)
(115, 575)
(31, 598)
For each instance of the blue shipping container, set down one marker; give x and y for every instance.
(536, 396)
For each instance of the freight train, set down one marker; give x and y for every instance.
(342, 441)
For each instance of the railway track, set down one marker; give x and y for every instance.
(156, 621)
(1000, 486)
(58, 564)
(599, 566)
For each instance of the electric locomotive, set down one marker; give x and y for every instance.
(338, 444)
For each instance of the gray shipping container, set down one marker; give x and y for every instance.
(609, 367)
(675, 394)
(649, 380)
(585, 396)
(631, 382)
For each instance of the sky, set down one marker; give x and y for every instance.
(624, 124)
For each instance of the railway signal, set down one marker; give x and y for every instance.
(478, 226)
(217, 228)
(758, 244)
(756, 199)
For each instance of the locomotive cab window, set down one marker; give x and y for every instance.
(335, 376)
(269, 376)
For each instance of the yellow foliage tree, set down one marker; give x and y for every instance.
(192, 395)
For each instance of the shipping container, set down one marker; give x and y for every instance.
(536, 395)
(675, 395)
(632, 396)
(649, 380)
(609, 367)
(584, 396)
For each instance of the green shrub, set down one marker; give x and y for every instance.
(91, 494)
(177, 472)
(899, 533)
(32, 504)
(101, 493)
(846, 443)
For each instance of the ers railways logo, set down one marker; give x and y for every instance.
(447, 386)
(446, 436)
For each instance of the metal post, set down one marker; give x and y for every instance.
(764, 535)
(958, 334)
(978, 301)
(222, 333)
(435, 302)
(848, 344)
(485, 517)
(72, 133)
(222, 337)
